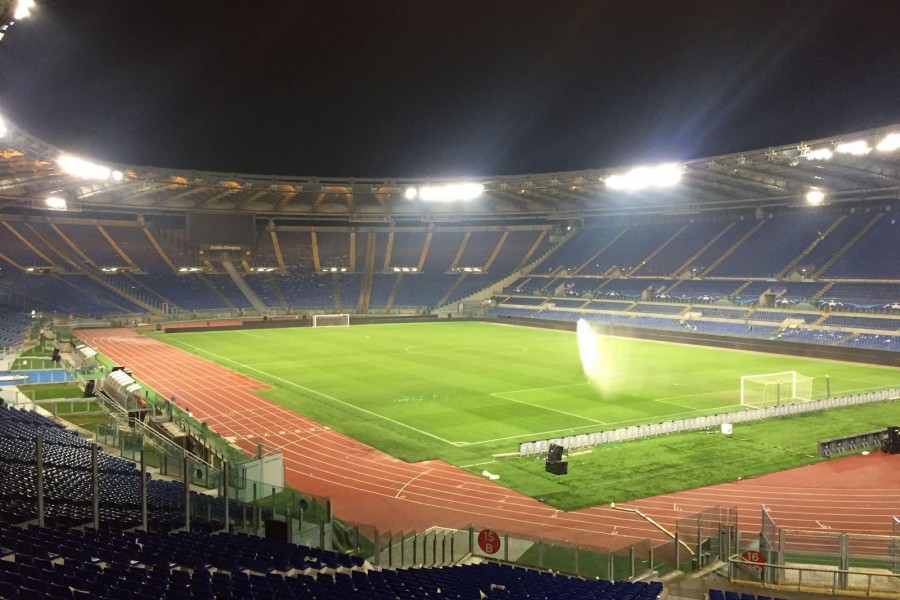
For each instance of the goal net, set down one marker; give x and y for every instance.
(772, 389)
(342, 320)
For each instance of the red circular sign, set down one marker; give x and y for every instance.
(754, 557)
(488, 541)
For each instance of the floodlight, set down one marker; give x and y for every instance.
(815, 196)
(396, 269)
(890, 142)
(23, 9)
(334, 269)
(414, 269)
(56, 203)
(118, 175)
(85, 169)
(644, 177)
(857, 148)
(450, 192)
(343, 269)
(3, 129)
(410, 193)
(819, 154)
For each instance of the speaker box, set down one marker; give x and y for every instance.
(555, 453)
(276, 530)
(89, 389)
(892, 445)
(560, 467)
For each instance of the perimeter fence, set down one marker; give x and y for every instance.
(821, 560)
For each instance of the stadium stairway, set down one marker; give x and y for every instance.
(734, 247)
(791, 265)
(242, 285)
(684, 267)
(837, 255)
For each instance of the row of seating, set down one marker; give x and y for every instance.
(715, 594)
(744, 328)
(96, 564)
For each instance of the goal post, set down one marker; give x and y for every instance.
(341, 320)
(772, 389)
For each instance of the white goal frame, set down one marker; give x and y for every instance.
(790, 386)
(340, 320)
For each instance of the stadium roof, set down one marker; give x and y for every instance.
(859, 167)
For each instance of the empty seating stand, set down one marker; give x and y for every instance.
(66, 563)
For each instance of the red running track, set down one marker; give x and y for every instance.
(854, 494)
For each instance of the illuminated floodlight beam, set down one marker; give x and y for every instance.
(646, 177)
(85, 169)
(890, 143)
(56, 203)
(23, 9)
(3, 129)
(857, 148)
(819, 154)
(449, 192)
(815, 196)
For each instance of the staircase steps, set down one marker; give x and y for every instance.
(159, 250)
(365, 290)
(336, 290)
(822, 291)
(496, 251)
(735, 246)
(315, 250)
(274, 285)
(700, 252)
(602, 250)
(742, 287)
(394, 290)
(278, 256)
(452, 289)
(73, 246)
(215, 290)
(790, 266)
(245, 288)
(116, 247)
(848, 245)
(661, 247)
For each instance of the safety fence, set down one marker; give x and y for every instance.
(820, 560)
(813, 578)
(706, 422)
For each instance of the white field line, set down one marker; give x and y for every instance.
(667, 399)
(321, 394)
(562, 412)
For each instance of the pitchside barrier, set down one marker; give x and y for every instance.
(821, 560)
(636, 432)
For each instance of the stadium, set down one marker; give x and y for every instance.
(663, 380)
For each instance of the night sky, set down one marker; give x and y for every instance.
(445, 88)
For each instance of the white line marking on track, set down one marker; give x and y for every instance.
(400, 491)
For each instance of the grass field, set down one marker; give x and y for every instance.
(462, 391)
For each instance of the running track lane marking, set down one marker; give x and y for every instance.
(400, 491)
(318, 393)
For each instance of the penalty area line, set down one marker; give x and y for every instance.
(562, 412)
(322, 395)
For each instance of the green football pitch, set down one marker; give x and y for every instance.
(463, 391)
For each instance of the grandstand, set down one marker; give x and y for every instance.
(788, 252)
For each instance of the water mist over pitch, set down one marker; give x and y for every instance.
(589, 347)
